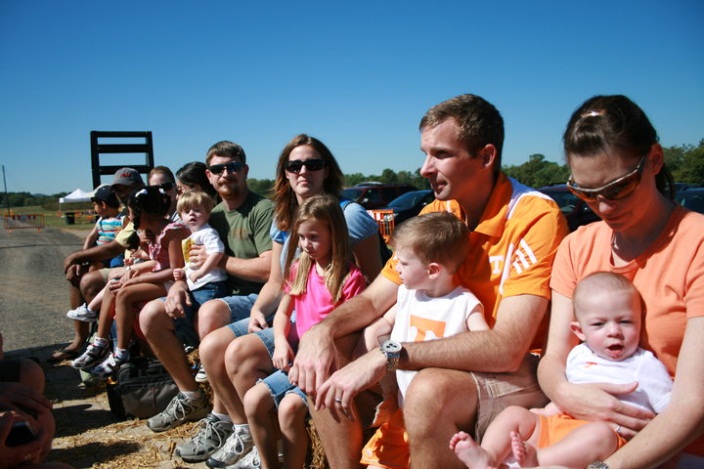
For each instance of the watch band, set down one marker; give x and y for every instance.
(598, 465)
(392, 350)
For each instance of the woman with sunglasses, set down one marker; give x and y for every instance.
(163, 178)
(305, 168)
(618, 169)
(192, 176)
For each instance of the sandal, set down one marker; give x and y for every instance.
(63, 354)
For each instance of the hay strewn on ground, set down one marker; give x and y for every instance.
(89, 436)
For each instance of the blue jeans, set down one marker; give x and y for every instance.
(279, 385)
(184, 327)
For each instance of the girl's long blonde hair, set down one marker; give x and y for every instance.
(325, 209)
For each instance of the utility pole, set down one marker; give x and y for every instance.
(7, 197)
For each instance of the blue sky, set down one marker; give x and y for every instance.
(358, 75)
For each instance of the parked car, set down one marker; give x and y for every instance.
(685, 186)
(692, 198)
(371, 195)
(572, 207)
(409, 204)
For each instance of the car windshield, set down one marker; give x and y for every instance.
(351, 193)
(407, 200)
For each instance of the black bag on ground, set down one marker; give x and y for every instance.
(141, 389)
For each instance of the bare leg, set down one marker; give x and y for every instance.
(340, 436)
(247, 360)
(263, 424)
(158, 328)
(594, 441)
(497, 441)
(106, 315)
(213, 353)
(212, 315)
(124, 307)
(292, 421)
(438, 404)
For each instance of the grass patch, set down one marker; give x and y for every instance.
(52, 217)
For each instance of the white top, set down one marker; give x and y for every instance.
(420, 317)
(654, 382)
(209, 238)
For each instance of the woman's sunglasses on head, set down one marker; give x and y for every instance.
(231, 167)
(616, 189)
(295, 166)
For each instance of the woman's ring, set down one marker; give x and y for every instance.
(339, 401)
(618, 429)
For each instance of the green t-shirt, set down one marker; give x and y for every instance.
(245, 233)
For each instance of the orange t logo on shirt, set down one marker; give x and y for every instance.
(423, 329)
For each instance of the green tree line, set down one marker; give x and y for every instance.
(686, 162)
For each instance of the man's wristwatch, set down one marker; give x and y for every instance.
(598, 465)
(392, 350)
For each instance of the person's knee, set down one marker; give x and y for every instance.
(439, 395)
(242, 353)
(213, 347)
(257, 402)
(212, 315)
(292, 413)
(153, 319)
(91, 283)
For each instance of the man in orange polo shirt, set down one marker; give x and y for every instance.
(464, 381)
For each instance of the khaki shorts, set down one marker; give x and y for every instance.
(496, 391)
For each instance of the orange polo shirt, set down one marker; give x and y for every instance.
(511, 249)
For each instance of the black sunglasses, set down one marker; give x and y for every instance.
(167, 186)
(231, 167)
(617, 189)
(311, 165)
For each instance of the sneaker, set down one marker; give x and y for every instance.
(180, 410)
(201, 377)
(251, 460)
(94, 355)
(109, 366)
(82, 313)
(211, 434)
(235, 448)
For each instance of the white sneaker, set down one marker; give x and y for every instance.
(237, 446)
(82, 313)
(201, 377)
(250, 461)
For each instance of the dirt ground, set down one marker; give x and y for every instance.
(33, 304)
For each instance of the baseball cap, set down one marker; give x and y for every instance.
(127, 177)
(104, 194)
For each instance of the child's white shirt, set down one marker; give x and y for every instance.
(208, 237)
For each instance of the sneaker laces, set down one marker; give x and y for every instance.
(235, 444)
(176, 406)
(205, 429)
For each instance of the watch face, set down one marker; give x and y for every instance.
(391, 346)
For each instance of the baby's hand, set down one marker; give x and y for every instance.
(194, 275)
(178, 274)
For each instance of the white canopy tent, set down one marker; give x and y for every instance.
(76, 196)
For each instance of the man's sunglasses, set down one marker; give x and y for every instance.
(231, 167)
(167, 186)
(616, 189)
(311, 165)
